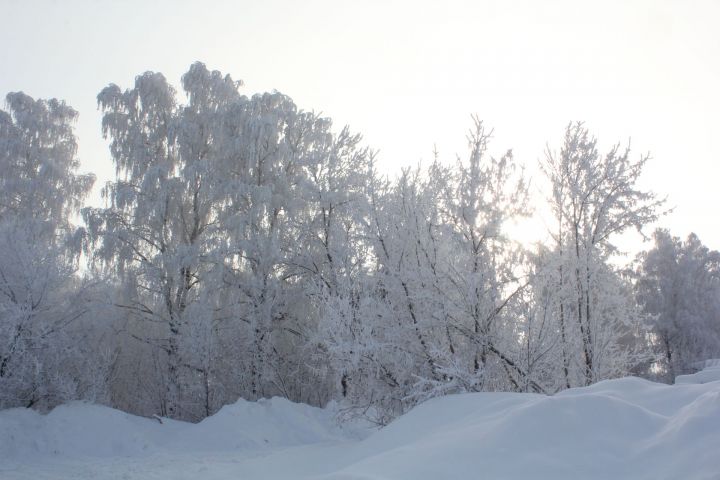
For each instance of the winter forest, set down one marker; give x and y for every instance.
(249, 248)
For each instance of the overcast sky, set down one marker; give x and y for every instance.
(408, 75)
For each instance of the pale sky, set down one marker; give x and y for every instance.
(408, 75)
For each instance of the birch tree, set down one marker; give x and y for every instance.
(40, 193)
(678, 287)
(158, 230)
(594, 198)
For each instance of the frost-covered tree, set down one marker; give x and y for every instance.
(329, 261)
(678, 286)
(40, 193)
(594, 198)
(227, 213)
(403, 317)
(443, 277)
(158, 232)
(485, 193)
(273, 147)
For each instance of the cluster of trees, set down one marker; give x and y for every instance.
(679, 287)
(246, 249)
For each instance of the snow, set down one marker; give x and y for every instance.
(710, 373)
(626, 428)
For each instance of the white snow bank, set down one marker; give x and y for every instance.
(622, 429)
(79, 429)
(710, 372)
(627, 428)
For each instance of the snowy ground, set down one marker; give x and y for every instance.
(627, 428)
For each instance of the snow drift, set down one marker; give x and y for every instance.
(627, 428)
(79, 429)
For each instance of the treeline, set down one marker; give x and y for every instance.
(247, 249)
